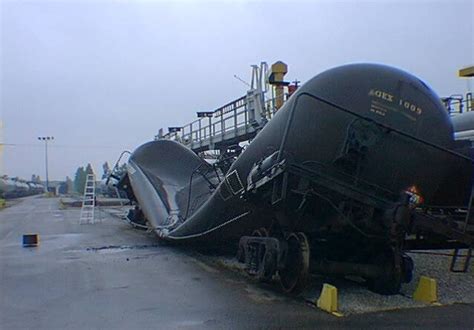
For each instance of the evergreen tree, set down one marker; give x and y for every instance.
(89, 169)
(80, 180)
(69, 185)
(106, 169)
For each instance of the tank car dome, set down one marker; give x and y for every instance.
(387, 95)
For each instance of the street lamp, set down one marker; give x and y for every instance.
(46, 139)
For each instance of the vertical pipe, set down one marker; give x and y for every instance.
(469, 103)
(46, 163)
(279, 91)
(246, 120)
(210, 128)
(222, 122)
(235, 120)
(200, 129)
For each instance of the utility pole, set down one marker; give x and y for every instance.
(46, 139)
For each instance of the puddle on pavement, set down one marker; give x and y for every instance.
(120, 248)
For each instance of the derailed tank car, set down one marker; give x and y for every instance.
(331, 184)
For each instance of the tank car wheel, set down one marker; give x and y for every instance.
(261, 232)
(266, 258)
(295, 274)
(390, 282)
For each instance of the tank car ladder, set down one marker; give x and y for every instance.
(88, 201)
(457, 256)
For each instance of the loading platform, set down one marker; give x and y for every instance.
(239, 120)
(231, 124)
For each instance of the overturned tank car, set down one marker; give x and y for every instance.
(350, 173)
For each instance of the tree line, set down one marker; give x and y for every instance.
(80, 178)
(81, 175)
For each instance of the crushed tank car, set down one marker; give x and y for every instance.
(329, 185)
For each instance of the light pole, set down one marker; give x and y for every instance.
(46, 139)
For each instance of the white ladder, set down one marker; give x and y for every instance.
(88, 202)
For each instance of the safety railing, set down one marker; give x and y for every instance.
(227, 118)
(230, 121)
(458, 103)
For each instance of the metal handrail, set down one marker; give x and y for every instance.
(458, 103)
(227, 118)
(114, 169)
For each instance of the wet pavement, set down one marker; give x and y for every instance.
(110, 276)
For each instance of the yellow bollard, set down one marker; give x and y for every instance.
(328, 299)
(426, 291)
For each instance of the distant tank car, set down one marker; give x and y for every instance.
(13, 188)
(35, 188)
(6, 186)
(332, 184)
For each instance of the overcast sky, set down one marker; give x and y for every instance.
(104, 76)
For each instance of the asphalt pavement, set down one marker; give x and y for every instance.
(108, 275)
